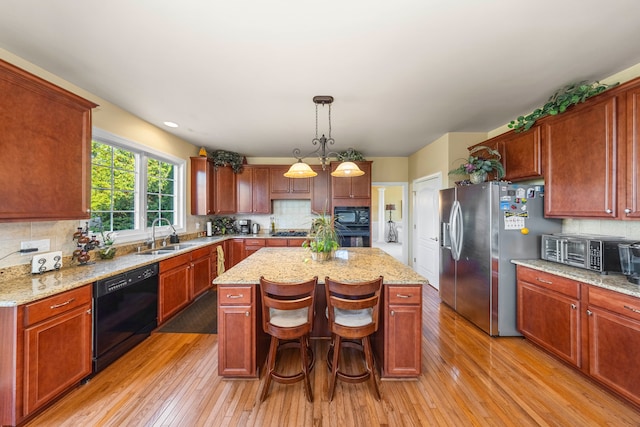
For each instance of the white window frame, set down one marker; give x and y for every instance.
(142, 153)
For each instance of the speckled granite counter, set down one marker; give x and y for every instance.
(28, 288)
(614, 282)
(294, 264)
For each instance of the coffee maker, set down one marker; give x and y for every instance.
(630, 261)
(245, 226)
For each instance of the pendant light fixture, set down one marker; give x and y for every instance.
(303, 170)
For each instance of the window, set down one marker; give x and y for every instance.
(132, 185)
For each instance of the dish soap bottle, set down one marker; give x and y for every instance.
(273, 225)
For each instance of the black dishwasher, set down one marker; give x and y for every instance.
(125, 311)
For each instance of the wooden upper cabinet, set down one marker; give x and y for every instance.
(45, 149)
(352, 191)
(580, 149)
(213, 190)
(321, 190)
(281, 187)
(629, 157)
(252, 185)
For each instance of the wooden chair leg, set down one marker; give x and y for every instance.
(334, 366)
(271, 364)
(368, 353)
(304, 356)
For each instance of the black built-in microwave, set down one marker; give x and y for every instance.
(352, 215)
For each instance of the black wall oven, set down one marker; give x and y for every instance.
(125, 311)
(353, 225)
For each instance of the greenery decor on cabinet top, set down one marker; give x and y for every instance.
(558, 103)
(227, 158)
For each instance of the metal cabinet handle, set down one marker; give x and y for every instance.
(63, 304)
(548, 282)
(627, 211)
(89, 311)
(589, 313)
(246, 313)
(608, 211)
(393, 313)
(403, 296)
(635, 310)
(235, 296)
(574, 307)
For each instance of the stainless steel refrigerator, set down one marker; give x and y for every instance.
(482, 228)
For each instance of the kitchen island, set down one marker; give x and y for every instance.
(243, 344)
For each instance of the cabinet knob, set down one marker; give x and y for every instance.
(589, 313)
(608, 211)
(246, 313)
(393, 313)
(627, 211)
(574, 307)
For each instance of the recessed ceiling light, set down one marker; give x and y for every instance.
(171, 124)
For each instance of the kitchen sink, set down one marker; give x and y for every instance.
(167, 249)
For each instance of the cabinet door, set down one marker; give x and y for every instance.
(57, 356)
(580, 161)
(201, 272)
(614, 345)
(631, 157)
(225, 190)
(281, 187)
(202, 186)
(260, 192)
(403, 352)
(236, 250)
(236, 332)
(361, 185)
(173, 291)
(352, 191)
(244, 191)
(321, 191)
(521, 154)
(551, 320)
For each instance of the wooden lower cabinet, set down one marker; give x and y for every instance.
(548, 313)
(401, 351)
(613, 324)
(601, 336)
(237, 325)
(201, 268)
(46, 350)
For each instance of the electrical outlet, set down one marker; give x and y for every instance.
(43, 245)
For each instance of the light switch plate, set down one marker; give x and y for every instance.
(46, 262)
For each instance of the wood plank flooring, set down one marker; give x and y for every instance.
(469, 379)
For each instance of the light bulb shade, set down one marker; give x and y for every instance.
(300, 170)
(347, 170)
(391, 207)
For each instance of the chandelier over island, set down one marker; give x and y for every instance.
(302, 170)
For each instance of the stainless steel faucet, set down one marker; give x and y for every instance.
(153, 231)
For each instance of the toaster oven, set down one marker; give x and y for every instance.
(591, 252)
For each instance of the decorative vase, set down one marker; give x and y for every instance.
(321, 256)
(478, 177)
(107, 253)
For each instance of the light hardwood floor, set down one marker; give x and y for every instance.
(469, 379)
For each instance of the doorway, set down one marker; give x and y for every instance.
(389, 218)
(426, 245)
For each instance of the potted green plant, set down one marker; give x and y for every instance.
(477, 166)
(323, 238)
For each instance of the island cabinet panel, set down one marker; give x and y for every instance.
(237, 318)
(614, 341)
(548, 313)
(46, 149)
(252, 186)
(589, 134)
(236, 249)
(281, 187)
(401, 344)
(57, 347)
(352, 191)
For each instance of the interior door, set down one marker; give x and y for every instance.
(426, 231)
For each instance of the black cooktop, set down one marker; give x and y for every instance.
(290, 233)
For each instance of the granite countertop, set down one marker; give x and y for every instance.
(614, 281)
(27, 288)
(295, 264)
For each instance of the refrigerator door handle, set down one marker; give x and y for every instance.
(456, 230)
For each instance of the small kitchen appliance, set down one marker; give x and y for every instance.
(589, 251)
(244, 225)
(255, 228)
(630, 261)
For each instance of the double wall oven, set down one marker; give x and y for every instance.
(353, 225)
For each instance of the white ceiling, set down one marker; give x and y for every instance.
(241, 74)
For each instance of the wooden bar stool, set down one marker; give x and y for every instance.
(287, 316)
(352, 310)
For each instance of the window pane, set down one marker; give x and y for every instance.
(153, 185)
(101, 176)
(123, 159)
(153, 202)
(166, 203)
(100, 200)
(123, 201)
(124, 180)
(167, 187)
(151, 216)
(100, 153)
(123, 221)
(168, 215)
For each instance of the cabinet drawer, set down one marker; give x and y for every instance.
(174, 262)
(296, 242)
(550, 281)
(404, 294)
(201, 253)
(276, 243)
(255, 242)
(234, 295)
(40, 310)
(625, 305)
